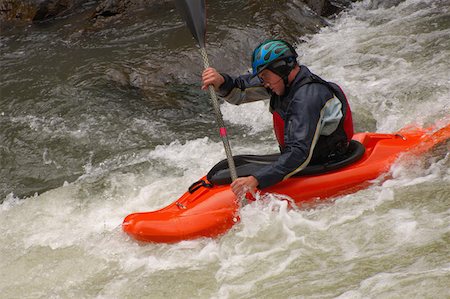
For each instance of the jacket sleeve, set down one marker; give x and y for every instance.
(242, 89)
(302, 130)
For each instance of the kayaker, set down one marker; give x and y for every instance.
(311, 117)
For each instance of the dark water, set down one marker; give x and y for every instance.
(104, 122)
(73, 94)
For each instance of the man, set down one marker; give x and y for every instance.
(312, 118)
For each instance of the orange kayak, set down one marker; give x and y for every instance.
(210, 208)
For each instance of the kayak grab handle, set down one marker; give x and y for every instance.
(400, 136)
(197, 185)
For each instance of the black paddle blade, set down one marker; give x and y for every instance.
(194, 14)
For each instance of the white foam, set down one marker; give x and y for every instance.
(10, 202)
(256, 115)
(382, 66)
(412, 279)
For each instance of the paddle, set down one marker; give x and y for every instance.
(194, 14)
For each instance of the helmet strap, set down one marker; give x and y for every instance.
(283, 68)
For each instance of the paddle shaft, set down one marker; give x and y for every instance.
(194, 14)
(219, 120)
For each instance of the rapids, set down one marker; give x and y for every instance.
(89, 132)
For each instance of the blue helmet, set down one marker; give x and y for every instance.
(275, 55)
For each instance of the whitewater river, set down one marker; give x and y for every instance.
(91, 131)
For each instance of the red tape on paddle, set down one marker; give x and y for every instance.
(223, 132)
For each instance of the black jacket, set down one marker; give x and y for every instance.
(314, 112)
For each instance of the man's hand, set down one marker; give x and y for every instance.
(243, 185)
(211, 77)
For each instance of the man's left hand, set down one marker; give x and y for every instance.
(243, 185)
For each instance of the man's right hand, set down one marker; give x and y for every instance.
(211, 77)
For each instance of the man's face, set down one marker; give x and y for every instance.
(272, 81)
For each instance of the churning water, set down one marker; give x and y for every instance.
(72, 126)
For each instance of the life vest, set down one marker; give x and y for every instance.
(345, 126)
(278, 127)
